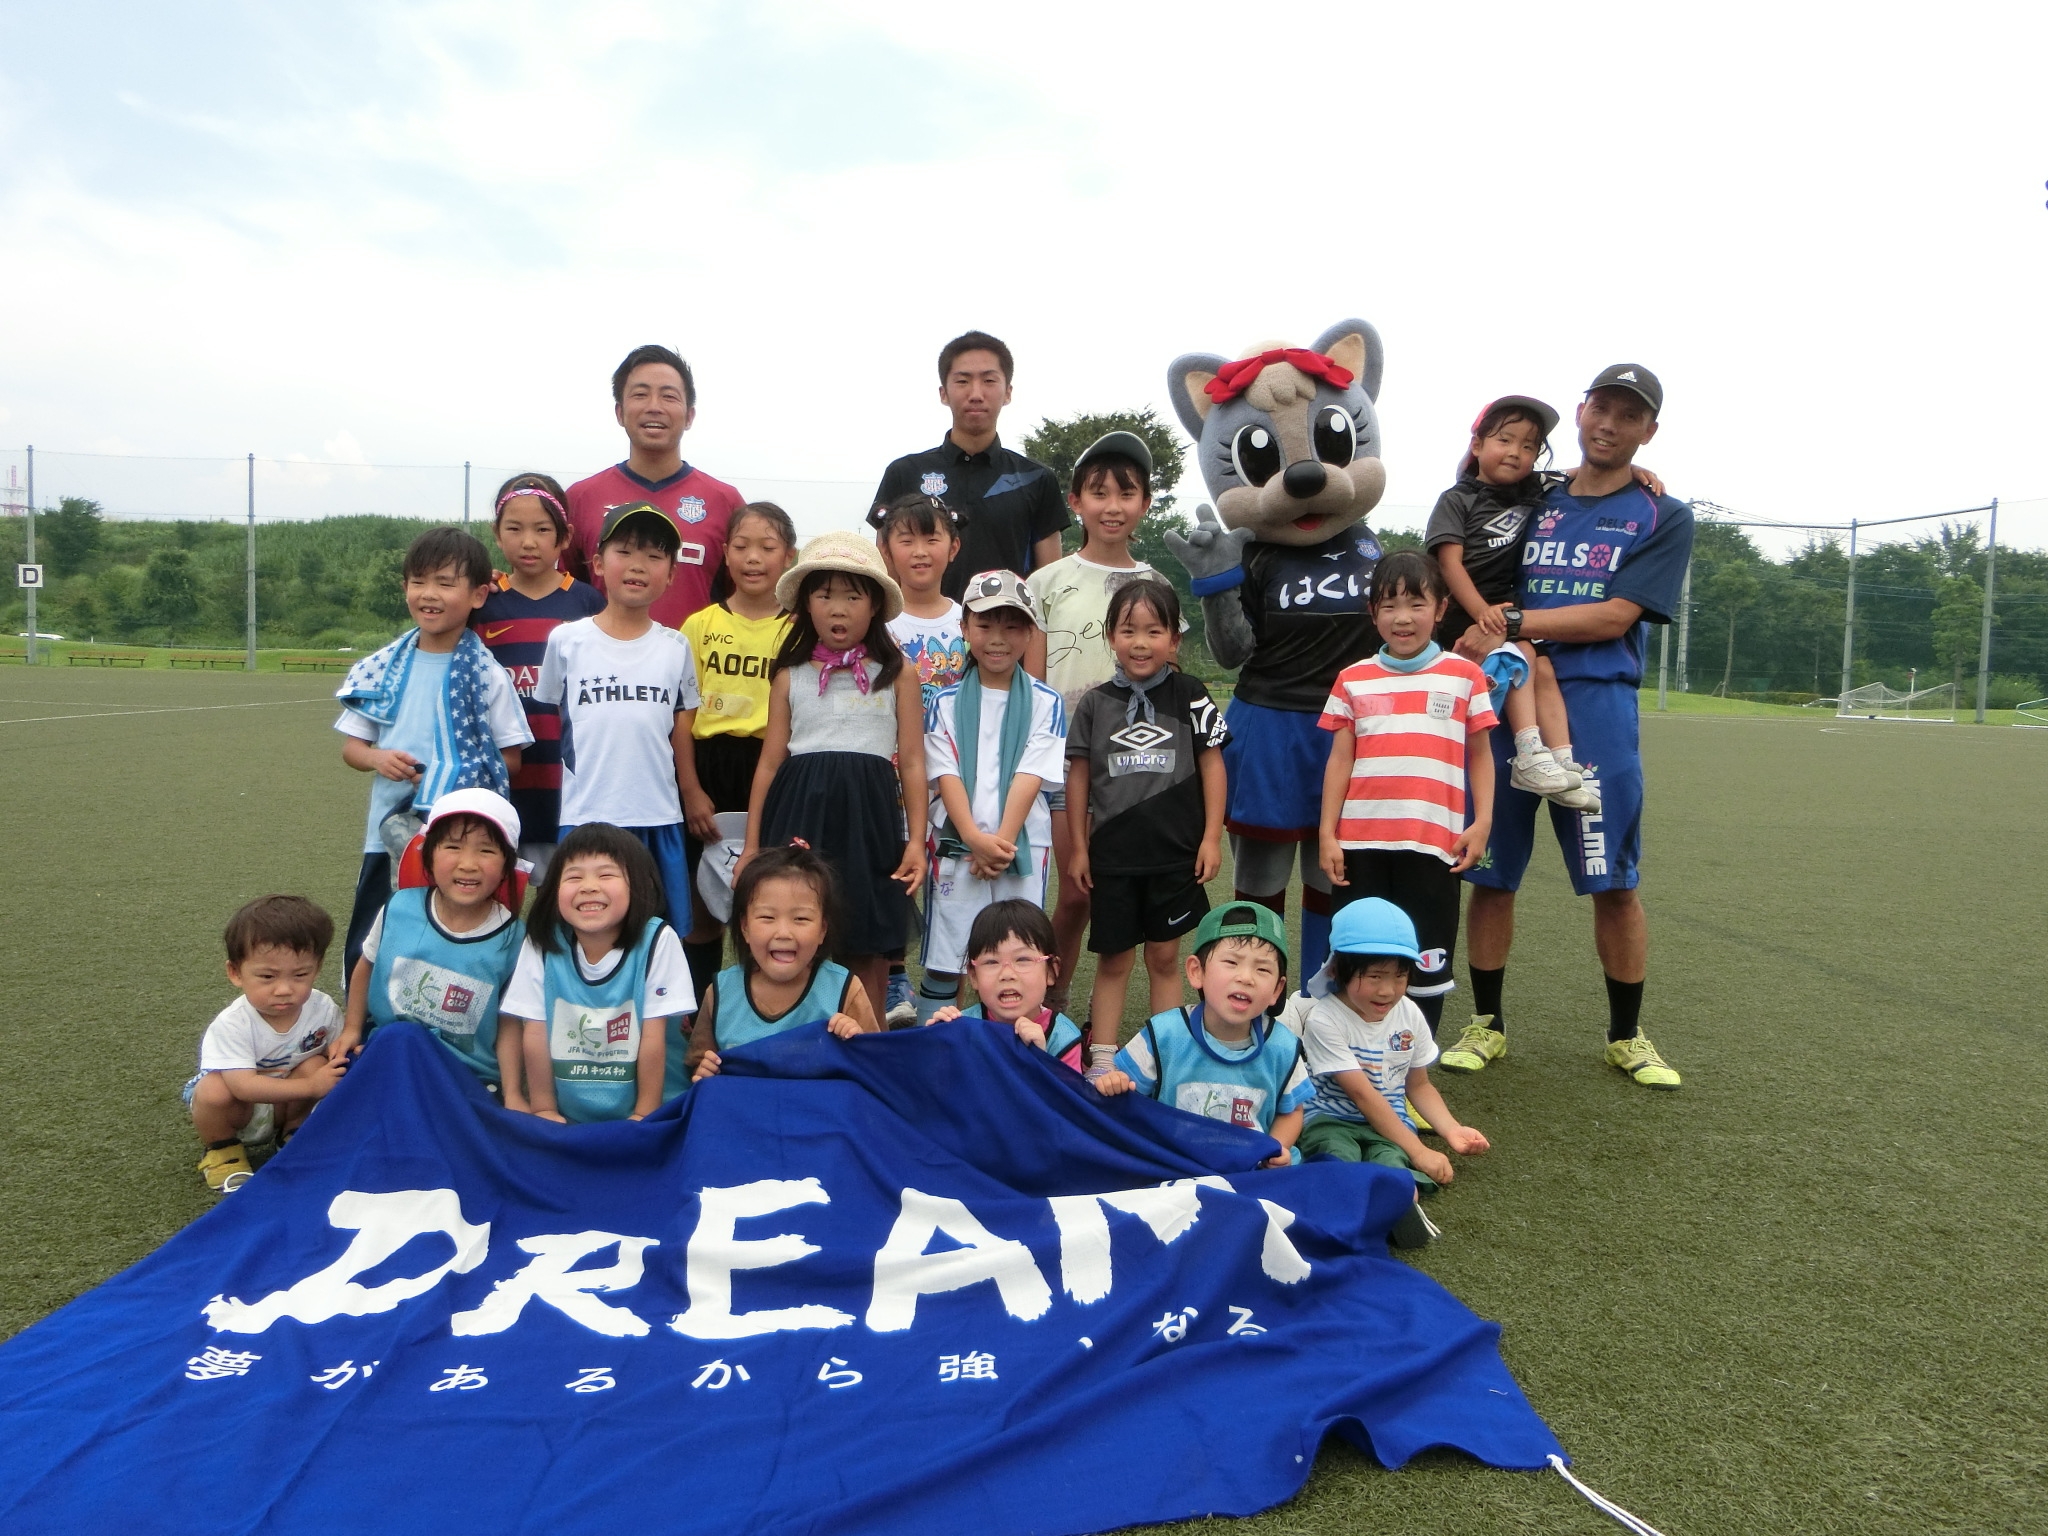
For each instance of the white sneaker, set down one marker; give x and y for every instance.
(1539, 774)
(1581, 797)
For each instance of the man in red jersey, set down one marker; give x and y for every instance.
(655, 400)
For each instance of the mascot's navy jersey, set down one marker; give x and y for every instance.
(1629, 544)
(1306, 607)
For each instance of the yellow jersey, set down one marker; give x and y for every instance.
(733, 657)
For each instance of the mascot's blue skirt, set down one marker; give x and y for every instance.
(1275, 759)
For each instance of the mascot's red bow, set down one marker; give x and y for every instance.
(1234, 378)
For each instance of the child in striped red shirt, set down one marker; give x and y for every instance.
(526, 605)
(1408, 762)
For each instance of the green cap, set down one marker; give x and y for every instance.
(1243, 920)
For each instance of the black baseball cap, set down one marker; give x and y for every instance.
(1635, 378)
(1121, 444)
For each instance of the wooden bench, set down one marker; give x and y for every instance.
(315, 663)
(18, 653)
(109, 658)
(208, 659)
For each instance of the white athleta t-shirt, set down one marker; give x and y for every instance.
(619, 701)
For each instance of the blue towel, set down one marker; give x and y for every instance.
(466, 755)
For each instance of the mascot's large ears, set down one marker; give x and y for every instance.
(1186, 376)
(1355, 345)
(1351, 343)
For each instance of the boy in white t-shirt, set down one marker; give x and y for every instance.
(919, 536)
(1111, 493)
(1369, 1049)
(269, 1056)
(627, 691)
(992, 742)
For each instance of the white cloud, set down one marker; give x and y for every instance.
(436, 228)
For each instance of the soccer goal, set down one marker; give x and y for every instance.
(2032, 715)
(1878, 701)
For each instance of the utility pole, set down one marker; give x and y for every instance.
(1983, 644)
(1684, 628)
(252, 562)
(1849, 613)
(29, 553)
(465, 493)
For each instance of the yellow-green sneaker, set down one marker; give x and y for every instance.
(226, 1168)
(1480, 1044)
(1639, 1059)
(1415, 1121)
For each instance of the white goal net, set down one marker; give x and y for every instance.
(1877, 701)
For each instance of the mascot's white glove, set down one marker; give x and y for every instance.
(1212, 553)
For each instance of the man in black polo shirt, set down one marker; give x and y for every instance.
(1010, 507)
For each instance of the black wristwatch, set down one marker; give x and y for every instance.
(1514, 618)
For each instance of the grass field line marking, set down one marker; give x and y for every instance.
(181, 709)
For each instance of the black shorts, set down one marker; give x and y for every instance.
(1128, 910)
(1420, 884)
(725, 769)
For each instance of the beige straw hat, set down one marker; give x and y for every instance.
(852, 553)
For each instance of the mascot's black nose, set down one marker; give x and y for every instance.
(1305, 479)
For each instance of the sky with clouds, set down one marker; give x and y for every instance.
(422, 233)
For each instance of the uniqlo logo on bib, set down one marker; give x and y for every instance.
(1241, 1113)
(617, 1028)
(457, 1000)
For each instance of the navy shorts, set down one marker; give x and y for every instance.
(1275, 760)
(670, 857)
(1601, 851)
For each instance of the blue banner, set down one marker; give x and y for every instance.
(914, 1282)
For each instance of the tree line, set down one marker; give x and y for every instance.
(1761, 628)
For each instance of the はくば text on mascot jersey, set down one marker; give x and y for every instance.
(1289, 446)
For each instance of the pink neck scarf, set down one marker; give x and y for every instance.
(853, 659)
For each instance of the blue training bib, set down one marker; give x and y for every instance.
(594, 1031)
(451, 983)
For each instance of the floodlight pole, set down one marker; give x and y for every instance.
(29, 552)
(1849, 612)
(1684, 626)
(252, 562)
(465, 493)
(1663, 666)
(1983, 643)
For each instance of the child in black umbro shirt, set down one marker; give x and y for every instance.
(1145, 798)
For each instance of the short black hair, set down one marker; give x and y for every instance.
(1410, 571)
(792, 861)
(1128, 473)
(438, 548)
(976, 341)
(1146, 591)
(1022, 920)
(653, 352)
(645, 528)
(278, 922)
(449, 828)
(644, 895)
(926, 514)
(1346, 967)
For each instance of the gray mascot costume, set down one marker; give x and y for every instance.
(1289, 447)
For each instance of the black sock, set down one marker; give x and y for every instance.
(1486, 994)
(1432, 1010)
(215, 1146)
(1624, 1008)
(702, 960)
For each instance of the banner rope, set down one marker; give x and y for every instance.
(1606, 1506)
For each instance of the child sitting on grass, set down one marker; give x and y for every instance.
(1226, 1059)
(268, 1050)
(1369, 1048)
(600, 987)
(785, 907)
(1013, 964)
(440, 954)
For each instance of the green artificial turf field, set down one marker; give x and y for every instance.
(1800, 1295)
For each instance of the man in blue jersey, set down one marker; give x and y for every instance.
(1604, 560)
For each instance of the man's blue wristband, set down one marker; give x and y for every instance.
(1222, 581)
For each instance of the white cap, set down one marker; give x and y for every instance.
(487, 804)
